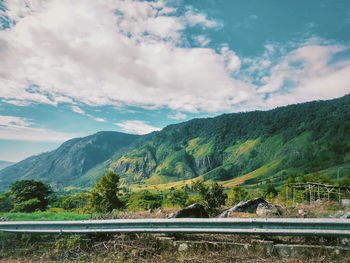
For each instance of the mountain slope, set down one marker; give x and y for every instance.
(4, 164)
(69, 162)
(253, 147)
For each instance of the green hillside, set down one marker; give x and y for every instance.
(252, 148)
(245, 148)
(77, 161)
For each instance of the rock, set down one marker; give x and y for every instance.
(171, 215)
(192, 211)
(341, 214)
(249, 206)
(182, 247)
(302, 213)
(224, 214)
(159, 211)
(268, 209)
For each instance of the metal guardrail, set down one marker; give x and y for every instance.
(260, 226)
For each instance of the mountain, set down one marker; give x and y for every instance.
(71, 161)
(4, 164)
(244, 148)
(251, 148)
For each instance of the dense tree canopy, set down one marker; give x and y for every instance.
(104, 197)
(30, 195)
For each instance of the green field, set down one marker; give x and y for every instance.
(43, 216)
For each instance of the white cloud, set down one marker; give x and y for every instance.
(137, 127)
(178, 116)
(114, 52)
(77, 109)
(128, 52)
(82, 112)
(99, 119)
(21, 129)
(13, 122)
(232, 61)
(194, 18)
(308, 73)
(202, 40)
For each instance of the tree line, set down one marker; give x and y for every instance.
(107, 195)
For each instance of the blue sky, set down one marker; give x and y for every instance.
(72, 68)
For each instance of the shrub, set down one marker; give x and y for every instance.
(5, 202)
(28, 206)
(236, 195)
(212, 195)
(144, 200)
(178, 197)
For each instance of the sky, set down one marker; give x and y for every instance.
(72, 68)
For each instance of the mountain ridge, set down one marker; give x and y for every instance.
(70, 161)
(248, 148)
(4, 164)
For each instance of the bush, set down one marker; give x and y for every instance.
(28, 206)
(236, 195)
(145, 200)
(178, 197)
(212, 195)
(5, 202)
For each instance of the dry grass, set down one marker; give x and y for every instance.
(143, 248)
(156, 213)
(316, 209)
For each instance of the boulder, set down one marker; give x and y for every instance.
(192, 211)
(302, 213)
(224, 214)
(341, 214)
(268, 209)
(249, 206)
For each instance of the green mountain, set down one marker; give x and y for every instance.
(4, 164)
(250, 148)
(244, 148)
(67, 164)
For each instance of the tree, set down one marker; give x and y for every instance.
(213, 195)
(104, 197)
(237, 194)
(30, 195)
(178, 197)
(5, 202)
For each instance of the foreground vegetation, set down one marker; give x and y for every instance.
(29, 196)
(107, 200)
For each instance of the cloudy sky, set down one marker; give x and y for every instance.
(72, 68)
